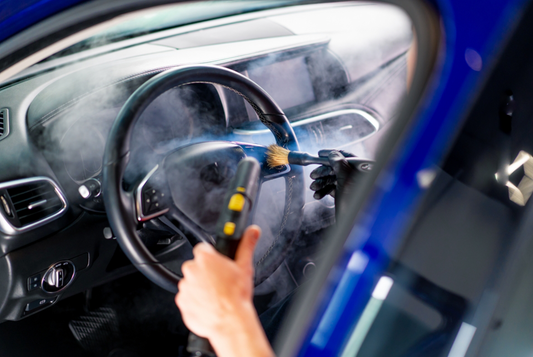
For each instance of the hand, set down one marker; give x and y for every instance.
(215, 299)
(331, 179)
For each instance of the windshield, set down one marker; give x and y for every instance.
(168, 17)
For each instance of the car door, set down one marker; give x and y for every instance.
(382, 207)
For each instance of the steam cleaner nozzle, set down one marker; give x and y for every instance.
(238, 204)
(232, 222)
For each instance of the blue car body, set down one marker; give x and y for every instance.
(473, 35)
(481, 27)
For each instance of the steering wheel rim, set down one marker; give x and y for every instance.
(119, 203)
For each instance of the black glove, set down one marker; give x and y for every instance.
(332, 179)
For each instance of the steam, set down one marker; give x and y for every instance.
(74, 141)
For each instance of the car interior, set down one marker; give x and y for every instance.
(338, 71)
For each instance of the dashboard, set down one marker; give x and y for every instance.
(339, 89)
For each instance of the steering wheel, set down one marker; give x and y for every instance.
(126, 208)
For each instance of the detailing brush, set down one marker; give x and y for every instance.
(278, 156)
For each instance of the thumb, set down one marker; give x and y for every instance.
(245, 252)
(340, 165)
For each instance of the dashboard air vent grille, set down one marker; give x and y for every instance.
(3, 122)
(34, 201)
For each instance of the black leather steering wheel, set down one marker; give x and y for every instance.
(120, 204)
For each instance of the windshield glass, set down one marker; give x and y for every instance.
(168, 17)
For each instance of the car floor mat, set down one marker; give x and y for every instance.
(97, 331)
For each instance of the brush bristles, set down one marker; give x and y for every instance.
(277, 156)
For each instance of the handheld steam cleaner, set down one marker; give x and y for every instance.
(232, 222)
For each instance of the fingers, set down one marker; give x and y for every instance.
(347, 154)
(323, 182)
(203, 254)
(326, 152)
(337, 163)
(335, 156)
(324, 186)
(340, 165)
(186, 268)
(178, 299)
(245, 252)
(318, 195)
(182, 284)
(214, 287)
(327, 178)
(203, 248)
(321, 171)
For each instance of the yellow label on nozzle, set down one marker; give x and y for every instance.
(229, 228)
(236, 202)
(241, 189)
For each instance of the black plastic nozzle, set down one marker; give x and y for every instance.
(232, 222)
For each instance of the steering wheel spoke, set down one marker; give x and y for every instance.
(153, 199)
(200, 234)
(151, 196)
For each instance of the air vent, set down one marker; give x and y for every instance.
(30, 202)
(4, 123)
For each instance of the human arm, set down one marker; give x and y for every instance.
(215, 299)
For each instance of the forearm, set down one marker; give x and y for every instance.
(244, 337)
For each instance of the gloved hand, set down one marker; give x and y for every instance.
(333, 179)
